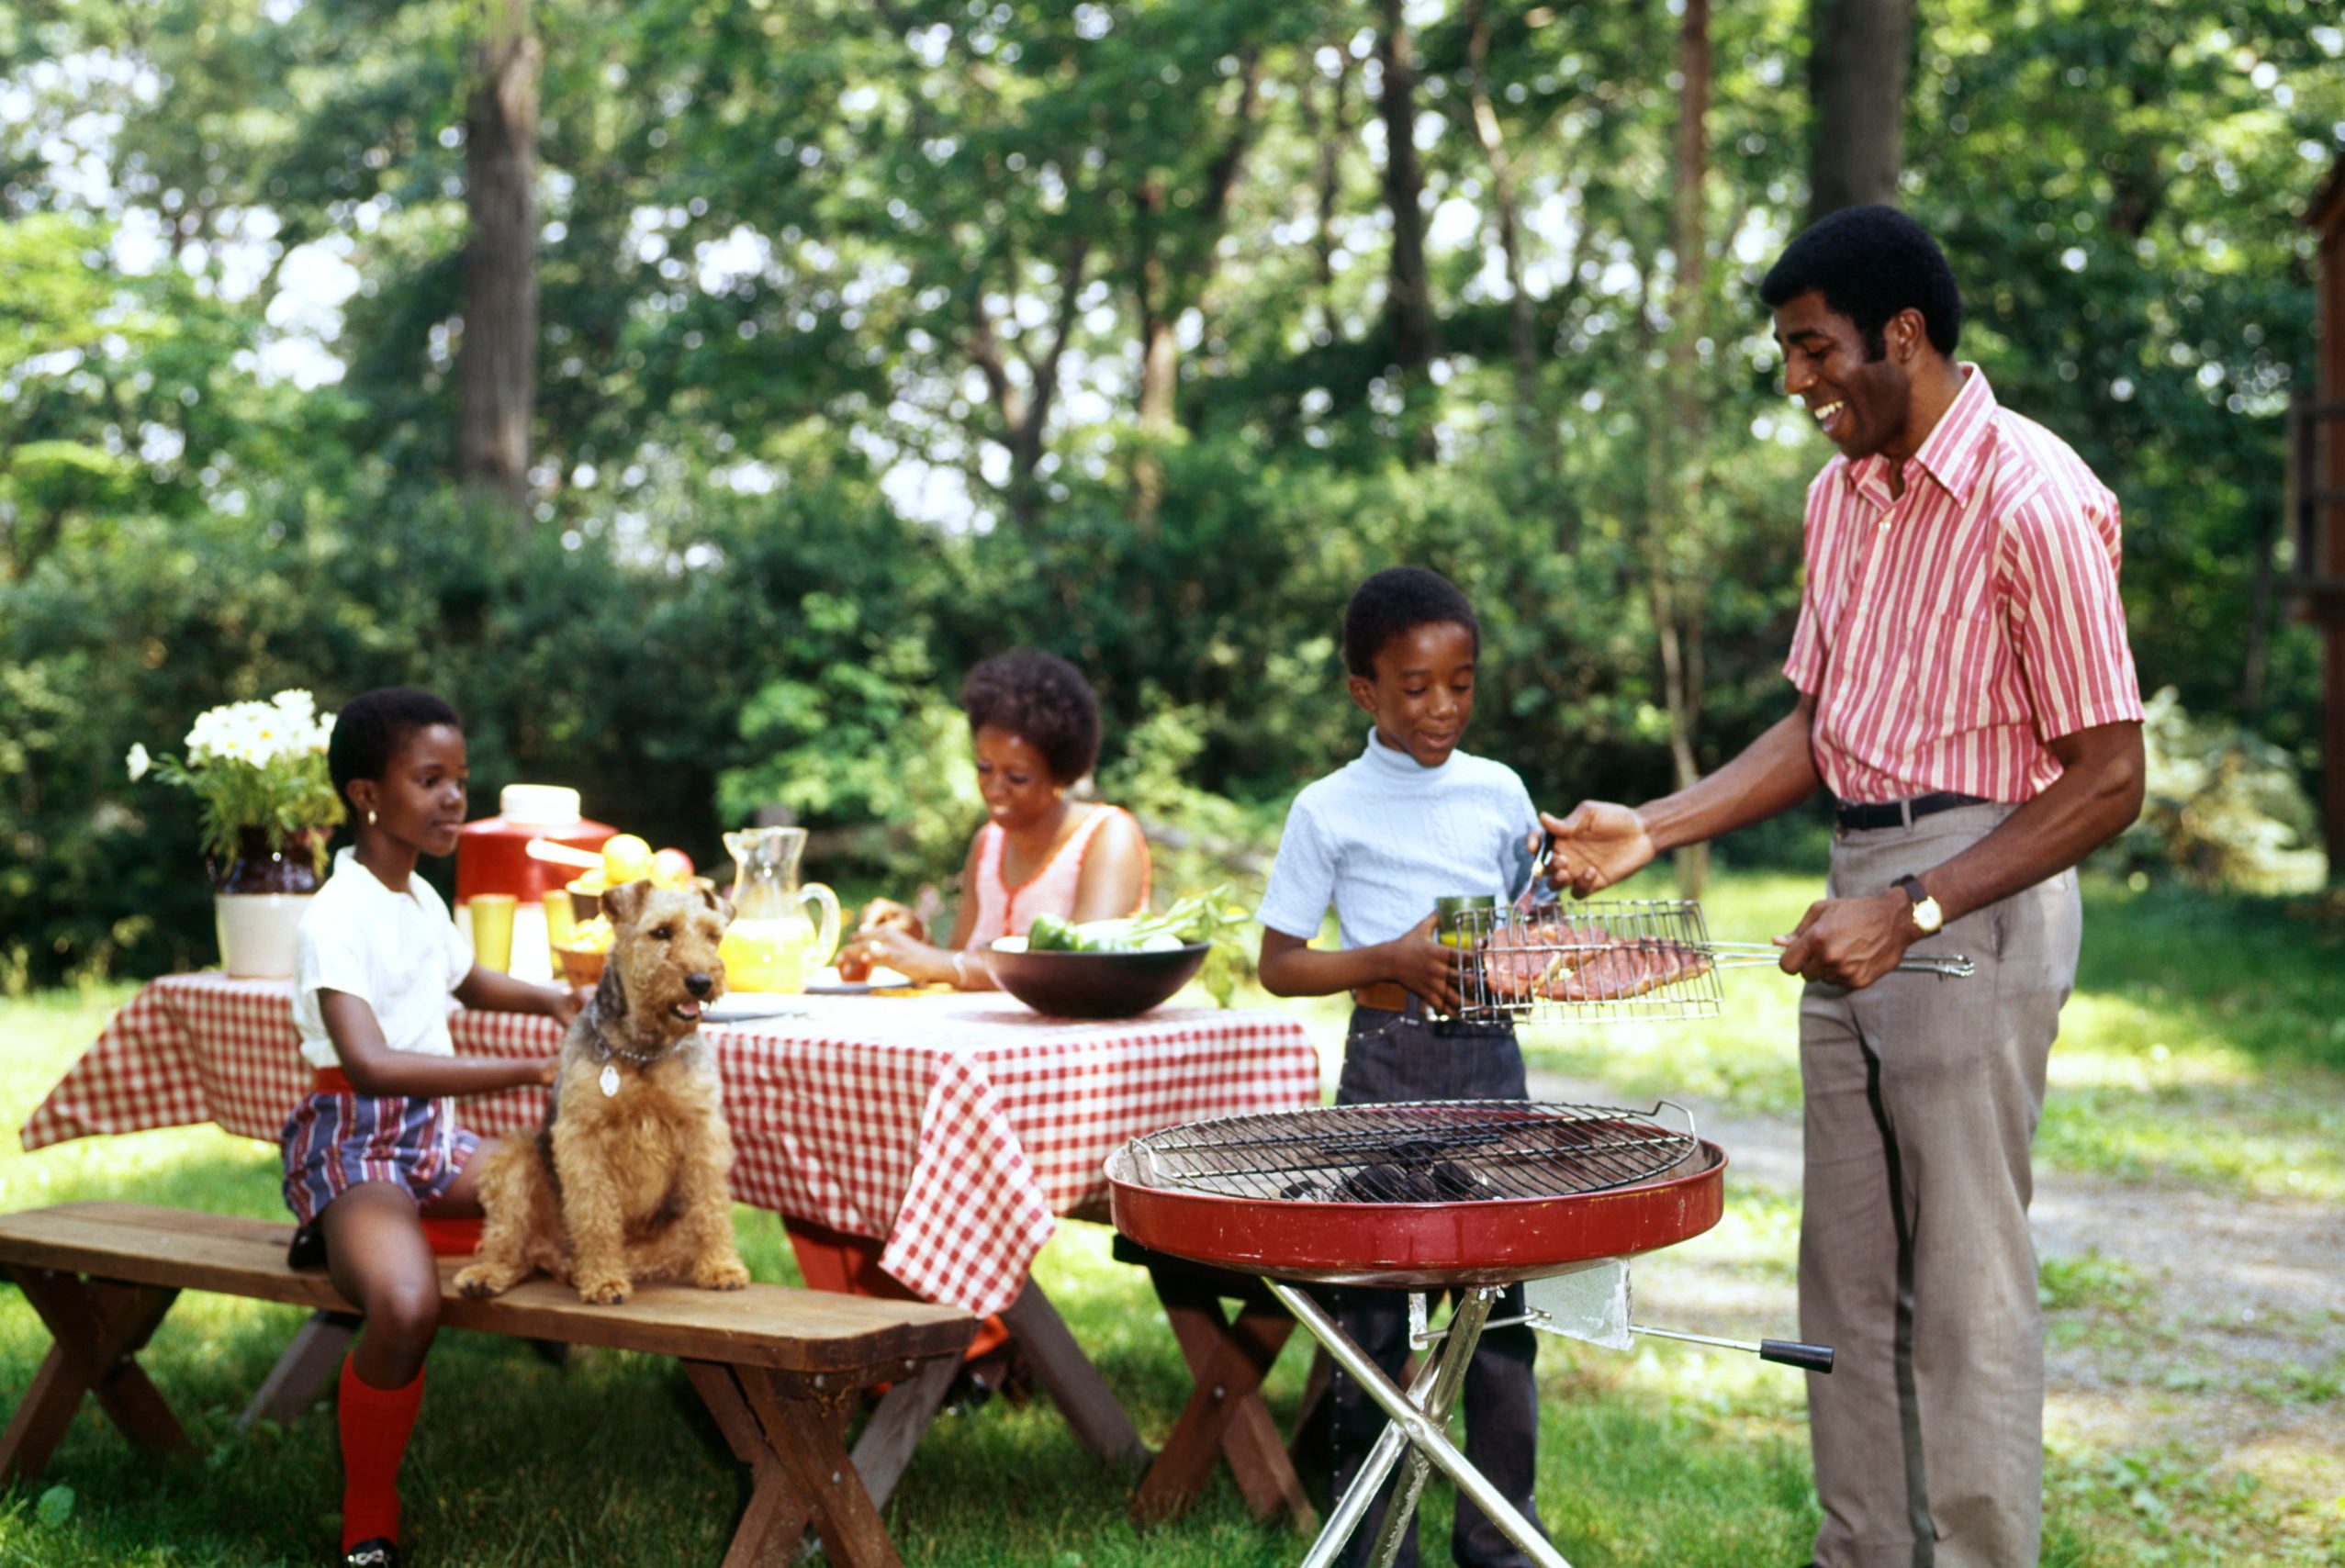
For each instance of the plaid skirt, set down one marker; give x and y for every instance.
(338, 1137)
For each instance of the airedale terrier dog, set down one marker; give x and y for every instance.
(625, 1180)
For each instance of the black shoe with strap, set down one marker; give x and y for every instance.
(380, 1551)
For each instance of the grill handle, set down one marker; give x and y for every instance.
(1783, 1352)
(1791, 1354)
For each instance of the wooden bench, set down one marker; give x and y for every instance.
(780, 1370)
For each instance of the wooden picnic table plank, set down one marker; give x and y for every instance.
(806, 1332)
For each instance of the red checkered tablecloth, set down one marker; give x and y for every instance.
(955, 1128)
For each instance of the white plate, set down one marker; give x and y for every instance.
(738, 1006)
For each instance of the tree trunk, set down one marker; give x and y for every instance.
(1858, 55)
(497, 373)
(1677, 615)
(1166, 292)
(1328, 136)
(1408, 304)
(1159, 360)
(1521, 336)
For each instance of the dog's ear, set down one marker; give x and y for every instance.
(610, 995)
(625, 902)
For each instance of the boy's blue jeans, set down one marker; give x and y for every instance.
(1393, 1056)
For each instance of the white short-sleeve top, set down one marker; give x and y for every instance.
(398, 953)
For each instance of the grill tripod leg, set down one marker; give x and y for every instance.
(1411, 1424)
(1353, 1506)
(1467, 1321)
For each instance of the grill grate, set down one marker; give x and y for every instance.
(1415, 1152)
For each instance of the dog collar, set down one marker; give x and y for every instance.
(645, 1058)
(603, 1048)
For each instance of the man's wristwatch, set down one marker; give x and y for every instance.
(1927, 915)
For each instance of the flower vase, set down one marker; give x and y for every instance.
(257, 906)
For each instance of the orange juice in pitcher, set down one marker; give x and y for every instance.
(780, 932)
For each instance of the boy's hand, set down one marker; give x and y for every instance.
(1424, 966)
(563, 1002)
(1599, 845)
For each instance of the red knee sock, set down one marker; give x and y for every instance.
(375, 1423)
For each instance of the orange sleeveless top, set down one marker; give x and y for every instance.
(1005, 911)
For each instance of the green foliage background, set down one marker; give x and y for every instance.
(780, 240)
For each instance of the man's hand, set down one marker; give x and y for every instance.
(1851, 942)
(1424, 966)
(1599, 845)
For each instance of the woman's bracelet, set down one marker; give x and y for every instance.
(960, 976)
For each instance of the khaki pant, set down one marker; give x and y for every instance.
(1915, 1262)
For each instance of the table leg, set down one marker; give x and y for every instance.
(804, 1434)
(1411, 1424)
(775, 1520)
(1225, 1413)
(1072, 1381)
(897, 1424)
(99, 1328)
(305, 1370)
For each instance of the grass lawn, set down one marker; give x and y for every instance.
(2205, 1049)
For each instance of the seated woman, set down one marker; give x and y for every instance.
(1035, 727)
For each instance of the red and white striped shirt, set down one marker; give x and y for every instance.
(1947, 633)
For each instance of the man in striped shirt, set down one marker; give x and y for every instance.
(1967, 693)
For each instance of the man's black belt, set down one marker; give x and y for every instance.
(1854, 816)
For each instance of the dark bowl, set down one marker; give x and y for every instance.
(1094, 985)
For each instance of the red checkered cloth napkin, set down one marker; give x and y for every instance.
(955, 1128)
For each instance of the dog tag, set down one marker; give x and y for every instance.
(610, 1080)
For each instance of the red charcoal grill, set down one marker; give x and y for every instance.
(1472, 1196)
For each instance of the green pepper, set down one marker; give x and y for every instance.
(1049, 933)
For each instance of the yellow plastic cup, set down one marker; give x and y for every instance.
(560, 922)
(493, 930)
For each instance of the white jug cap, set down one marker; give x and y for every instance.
(547, 805)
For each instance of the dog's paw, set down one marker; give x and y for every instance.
(480, 1282)
(721, 1274)
(602, 1290)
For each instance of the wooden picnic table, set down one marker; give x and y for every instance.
(955, 1131)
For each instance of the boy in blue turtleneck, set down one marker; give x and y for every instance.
(1410, 820)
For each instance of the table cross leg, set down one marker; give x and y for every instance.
(306, 1369)
(775, 1520)
(897, 1423)
(1072, 1383)
(1412, 1425)
(806, 1434)
(99, 1328)
(1225, 1413)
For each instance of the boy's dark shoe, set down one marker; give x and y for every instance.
(380, 1552)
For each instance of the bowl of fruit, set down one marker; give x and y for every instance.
(585, 950)
(1111, 968)
(626, 859)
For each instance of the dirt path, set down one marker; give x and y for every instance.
(2208, 1326)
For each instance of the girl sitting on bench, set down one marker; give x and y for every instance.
(374, 1154)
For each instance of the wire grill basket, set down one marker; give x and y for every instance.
(1606, 960)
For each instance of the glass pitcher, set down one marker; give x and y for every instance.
(780, 932)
